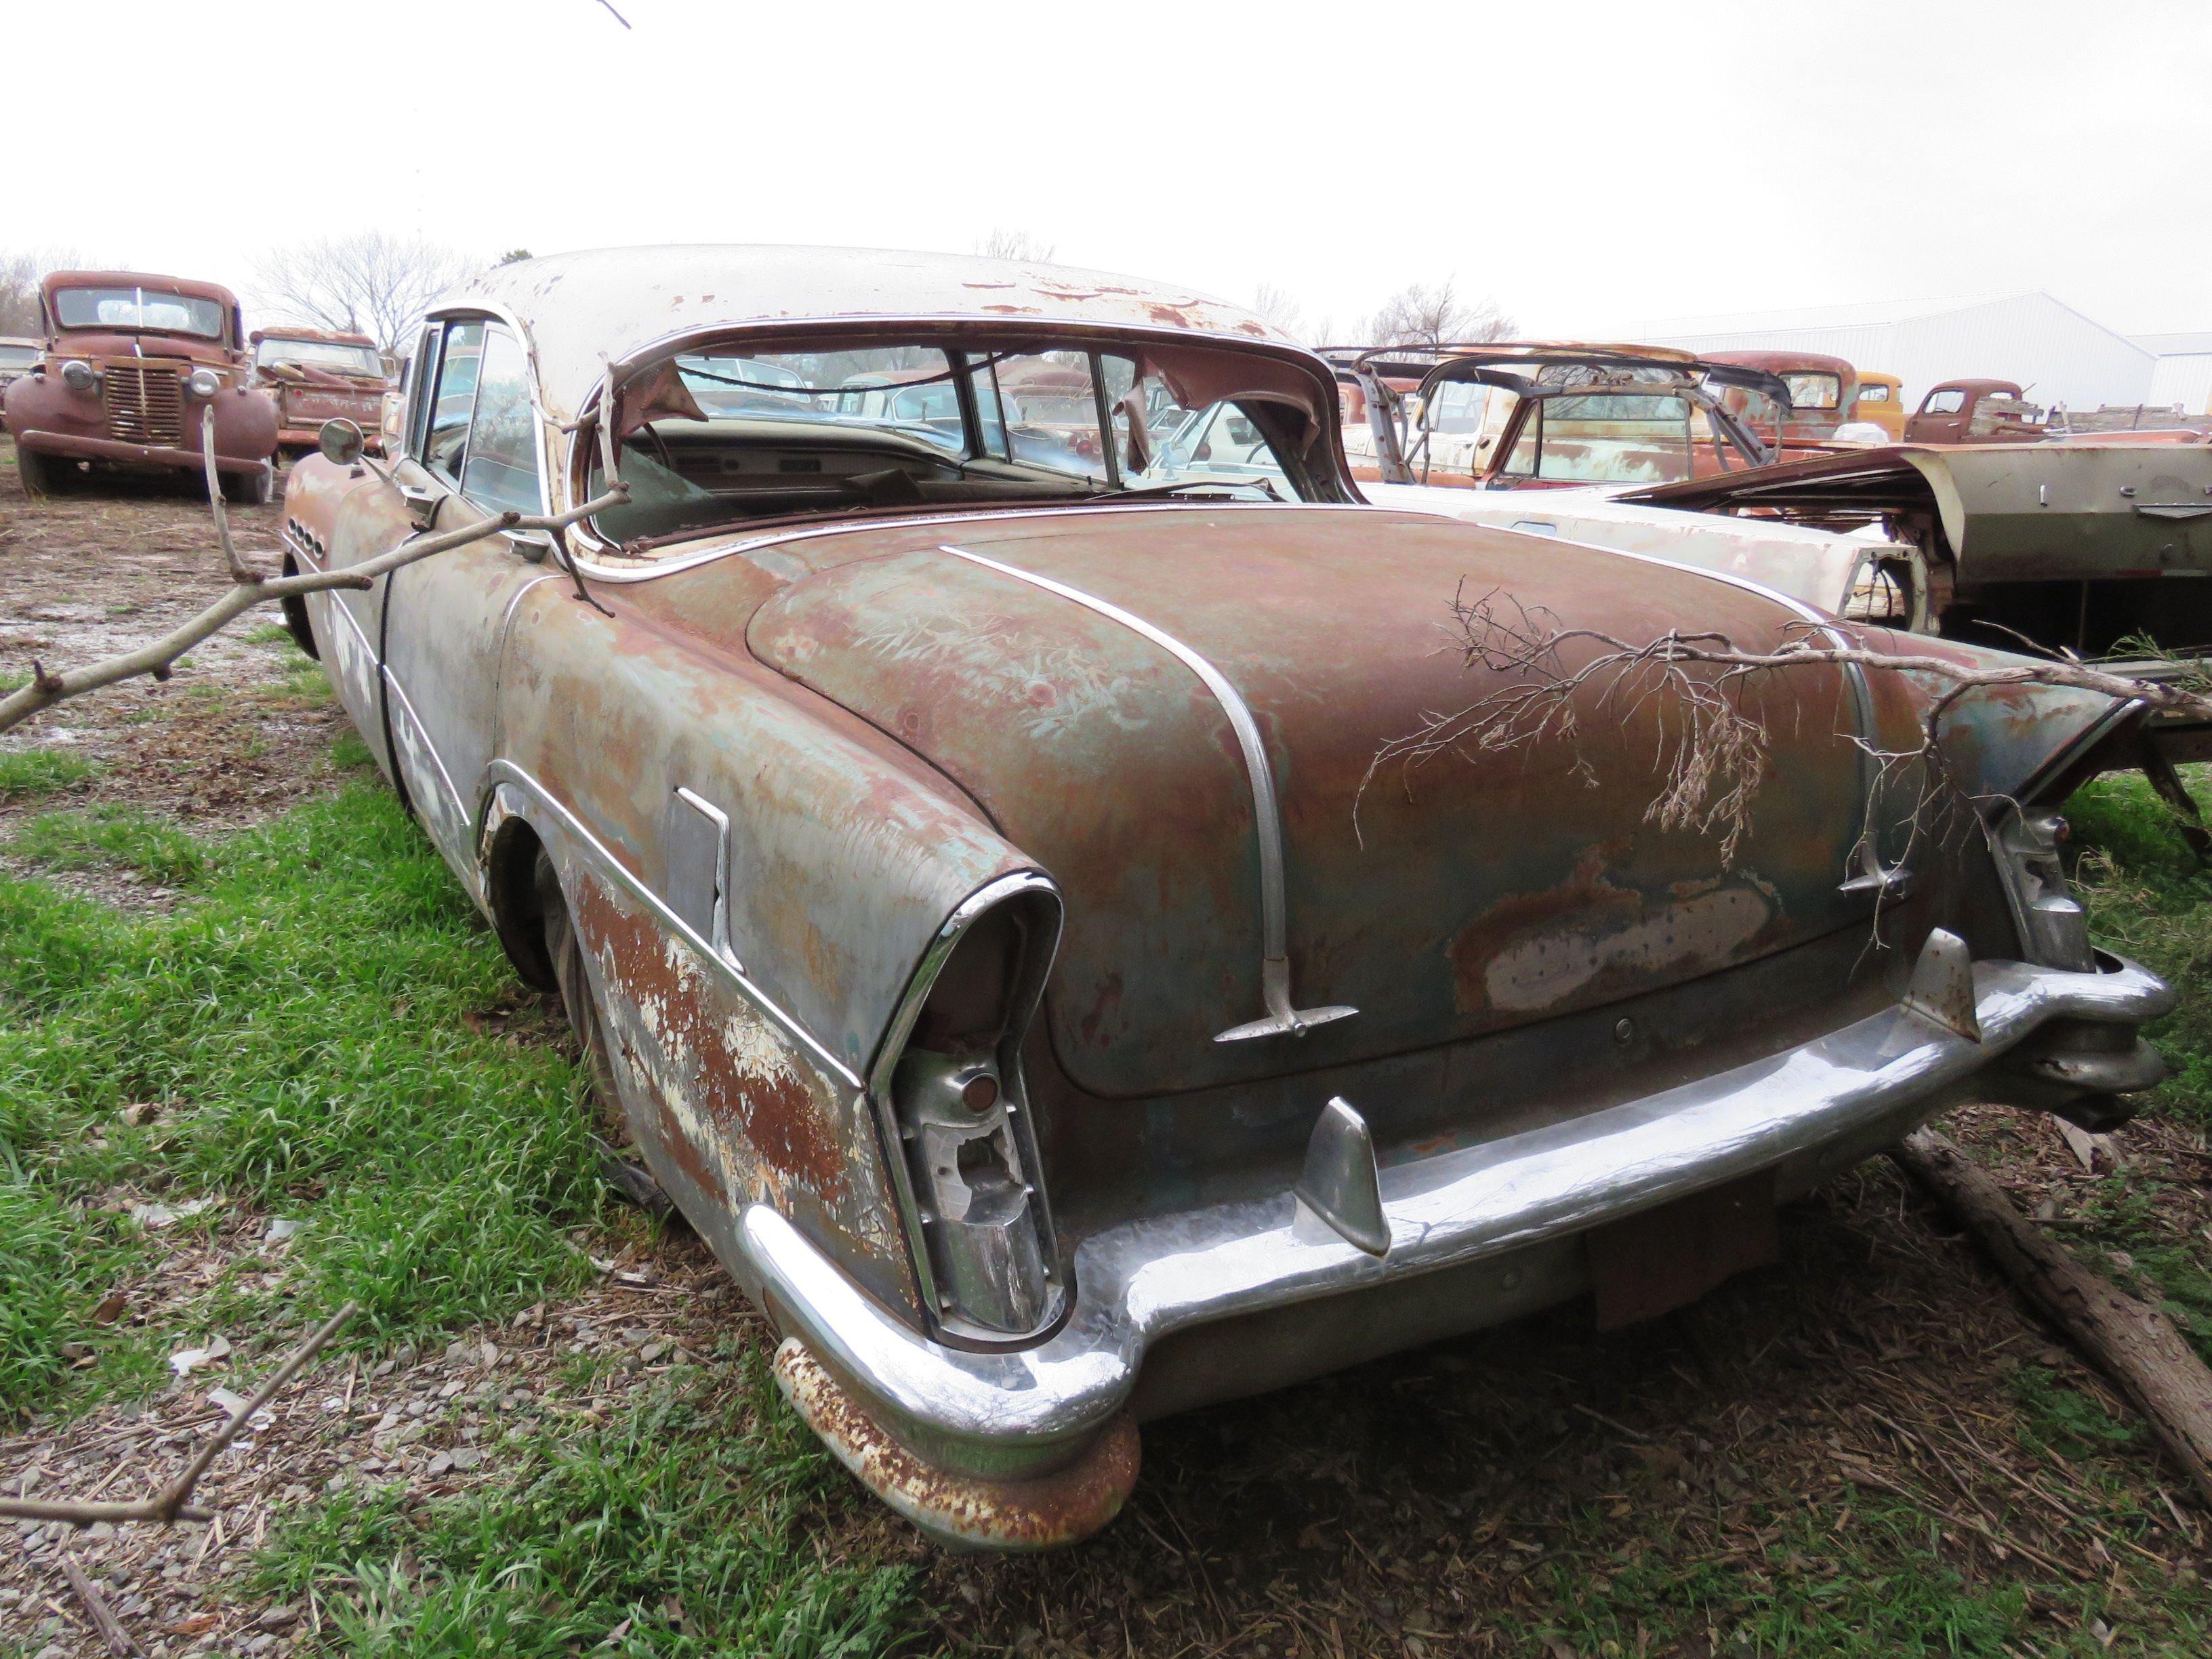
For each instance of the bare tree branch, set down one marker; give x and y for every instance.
(251, 587)
(1419, 315)
(173, 1502)
(370, 282)
(1012, 242)
(1713, 751)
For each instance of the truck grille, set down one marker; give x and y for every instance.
(144, 405)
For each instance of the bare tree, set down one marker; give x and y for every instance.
(1419, 315)
(19, 275)
(1012, 242)
(1279, 307)
(370, 282)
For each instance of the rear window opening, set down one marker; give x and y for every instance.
(719, 438)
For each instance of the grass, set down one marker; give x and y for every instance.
(299, 1025)
(682, 1523)
(26, 773)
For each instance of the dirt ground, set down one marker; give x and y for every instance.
(1478, 1496)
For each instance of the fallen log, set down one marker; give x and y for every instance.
(2131, 1342)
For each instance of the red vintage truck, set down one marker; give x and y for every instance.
(316, 375)
(133, 369)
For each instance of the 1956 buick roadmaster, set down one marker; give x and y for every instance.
(936, 809)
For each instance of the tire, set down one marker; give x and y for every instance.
(295, 607)
(32, 472)
(610, 1132)
(251, 488)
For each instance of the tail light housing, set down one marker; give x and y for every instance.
(950, 1093)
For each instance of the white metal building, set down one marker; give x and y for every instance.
(2182, 373)
(2058, 354)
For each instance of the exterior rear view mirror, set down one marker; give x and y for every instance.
(340, 442)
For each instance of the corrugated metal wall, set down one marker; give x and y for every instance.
(2185, 379)
(2061, 355)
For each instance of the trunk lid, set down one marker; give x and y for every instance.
(1475, 894)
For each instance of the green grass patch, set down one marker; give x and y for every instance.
(268, 634)
(297, 1023)
(26, 773)
(112, 837)
(682, 1523)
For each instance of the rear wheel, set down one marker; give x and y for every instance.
(610, 1133)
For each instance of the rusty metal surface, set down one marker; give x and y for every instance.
(1042, 1512)
(140, 416)
(776, 774)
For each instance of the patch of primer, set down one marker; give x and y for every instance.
(1549, 969)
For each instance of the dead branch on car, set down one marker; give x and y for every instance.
(173, 1502)
(2131, 1342)
(1713, 751)
(251, 587)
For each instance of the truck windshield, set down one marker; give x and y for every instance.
(134, 309)
(332, 354)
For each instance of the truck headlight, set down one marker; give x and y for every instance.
(204, 383)
(79, 375)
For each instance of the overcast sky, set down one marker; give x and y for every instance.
(1586, 163)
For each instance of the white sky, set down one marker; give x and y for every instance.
(1586, 163)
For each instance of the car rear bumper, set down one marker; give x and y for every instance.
(997, 1424)
(75, 447)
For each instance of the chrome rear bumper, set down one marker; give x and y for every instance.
(996, 1418)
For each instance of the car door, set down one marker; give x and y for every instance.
(446, 616)
(1941, 418)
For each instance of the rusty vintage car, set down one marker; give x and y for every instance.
(318, 376)
(133, 369)
(1976, 411)
(959, 868)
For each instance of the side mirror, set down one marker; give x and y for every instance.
(340, 442)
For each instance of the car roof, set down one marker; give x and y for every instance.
(192, 286)
(582, 311)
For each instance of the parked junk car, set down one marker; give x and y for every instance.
(1975, 412)
(1822, 388)
(1557, 437)
(318, 376)
(951, 861)
(18, 357)
(131, 367)
(1879, 402)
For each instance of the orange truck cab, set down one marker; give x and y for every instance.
(1881, 402)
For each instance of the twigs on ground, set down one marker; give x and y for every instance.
(174, 1501)
(118, 1639)
(2133, 1344)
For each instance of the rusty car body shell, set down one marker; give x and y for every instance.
(837, 802)
(309, 394)
(138, 413)
(1822, 390)
(1989, 413)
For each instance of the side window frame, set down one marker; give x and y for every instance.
(495, 328)
(429, 351)
(483, 325)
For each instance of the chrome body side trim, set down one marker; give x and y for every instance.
(422, 735)
(713, 961)
(1282, 1017)
(1803, 1113)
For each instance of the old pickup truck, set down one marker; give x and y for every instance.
(135, 369)
(318, 376)
(958, 863)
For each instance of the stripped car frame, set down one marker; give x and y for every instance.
(1858, 572)
(960, 868)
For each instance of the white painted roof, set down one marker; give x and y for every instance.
(584, 310)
